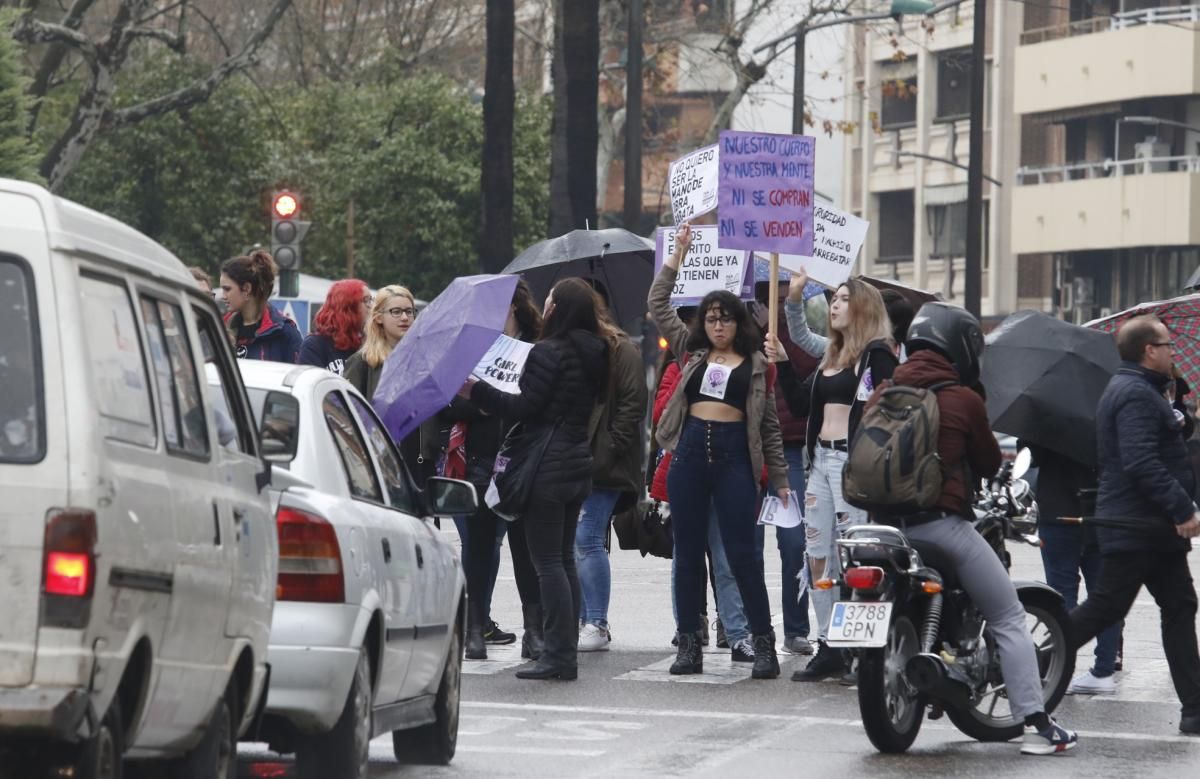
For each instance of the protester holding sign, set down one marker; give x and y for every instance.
(567, 372)
(475, 438)
(722, 427)
(856, 358)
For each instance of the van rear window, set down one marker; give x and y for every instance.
(22, 408)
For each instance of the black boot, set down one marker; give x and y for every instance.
(828, 662)
(542, 671)
(766, 662)
(476, 647)
(531, 641)
(689, 659)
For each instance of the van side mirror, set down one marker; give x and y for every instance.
(280, 429)
(449, 498)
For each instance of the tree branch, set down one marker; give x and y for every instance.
(176, 42)
(30, 30)
(200, 90)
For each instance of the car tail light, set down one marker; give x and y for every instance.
(68, 568)
(310, 559)
(864, 578)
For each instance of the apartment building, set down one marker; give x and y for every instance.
(1106, 207)
(910, 109)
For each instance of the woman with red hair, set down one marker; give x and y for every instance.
(338, 328)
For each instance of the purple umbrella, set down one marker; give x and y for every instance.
(425, 371)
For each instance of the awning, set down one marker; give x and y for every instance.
(1082, 112)
(945, 195)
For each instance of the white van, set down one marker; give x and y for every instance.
(138, 552)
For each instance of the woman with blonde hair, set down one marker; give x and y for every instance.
(856, 357)
(392, 315)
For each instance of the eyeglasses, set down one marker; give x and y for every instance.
(398, 313)
(1169, 344)
(368, 300)
(713, 321)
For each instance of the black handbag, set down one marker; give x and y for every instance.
(517, 465)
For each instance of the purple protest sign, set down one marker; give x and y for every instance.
(766, 192)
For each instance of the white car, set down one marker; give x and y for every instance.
(137, 552)
(367, 635)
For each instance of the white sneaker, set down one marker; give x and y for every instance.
(594, 638)
(1088, 683)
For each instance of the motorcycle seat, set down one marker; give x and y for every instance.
(935, 558)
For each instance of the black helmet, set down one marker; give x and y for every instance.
(954, 332)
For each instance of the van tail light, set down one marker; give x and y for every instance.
(864, 578)
(310, 559)
(68, 568)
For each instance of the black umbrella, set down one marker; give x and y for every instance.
(1193, 282)
(618, 259)
(1044, 378)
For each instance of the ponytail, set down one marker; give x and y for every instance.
(257, 269)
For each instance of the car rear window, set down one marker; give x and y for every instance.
(22, 411)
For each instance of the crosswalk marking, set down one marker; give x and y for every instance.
(719, 668)
(500, 658)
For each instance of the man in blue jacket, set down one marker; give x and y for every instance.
(1146, 478)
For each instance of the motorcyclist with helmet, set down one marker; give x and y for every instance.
(945, 344)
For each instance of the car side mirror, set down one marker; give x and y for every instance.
(449, 498)
(279, 432)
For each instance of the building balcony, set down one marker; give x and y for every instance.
(1107, 205)
(1153, 52)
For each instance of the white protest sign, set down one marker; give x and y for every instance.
(693, 181)
(706, 267)
(837, 239)
(503, 364)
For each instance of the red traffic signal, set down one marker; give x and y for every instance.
(285, 205)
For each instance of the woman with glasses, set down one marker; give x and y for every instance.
(857, 357)
(338, 328)
(393, 314)
(722, 427)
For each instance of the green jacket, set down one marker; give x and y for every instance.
(618, 450)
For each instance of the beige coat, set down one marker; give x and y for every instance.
(762, 419)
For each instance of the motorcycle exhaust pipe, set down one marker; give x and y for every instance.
(929, 675)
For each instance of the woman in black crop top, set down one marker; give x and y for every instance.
(855, 358)
(722, 426)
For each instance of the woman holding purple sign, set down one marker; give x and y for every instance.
(857, 356)
(722, 427)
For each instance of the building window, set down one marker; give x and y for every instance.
(899, 94)
(947, 226)
(954, 85)
(896, 214)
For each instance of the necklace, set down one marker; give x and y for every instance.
(719, 359)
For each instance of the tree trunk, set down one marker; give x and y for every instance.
(575, 129)
(496, 228)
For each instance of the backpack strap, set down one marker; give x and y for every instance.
(942, 385)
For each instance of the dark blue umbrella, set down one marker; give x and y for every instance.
(428, 367)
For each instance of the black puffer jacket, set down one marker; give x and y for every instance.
(563, 380)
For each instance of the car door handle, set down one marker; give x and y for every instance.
(420, 557)
(387, 551)
(238, 516)
(216, 524)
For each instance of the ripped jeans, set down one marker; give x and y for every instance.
(827, 515)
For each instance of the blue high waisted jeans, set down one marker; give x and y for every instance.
(711, 469)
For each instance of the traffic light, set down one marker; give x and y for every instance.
(287, 231)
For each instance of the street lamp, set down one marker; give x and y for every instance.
(1153, 120)
(897, 9)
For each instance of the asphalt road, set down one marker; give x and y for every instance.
(627, 717)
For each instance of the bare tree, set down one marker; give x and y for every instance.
(107, 51)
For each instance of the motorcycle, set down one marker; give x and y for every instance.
(921, 643)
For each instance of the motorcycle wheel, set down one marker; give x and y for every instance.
(892, 710)
(991, 719)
